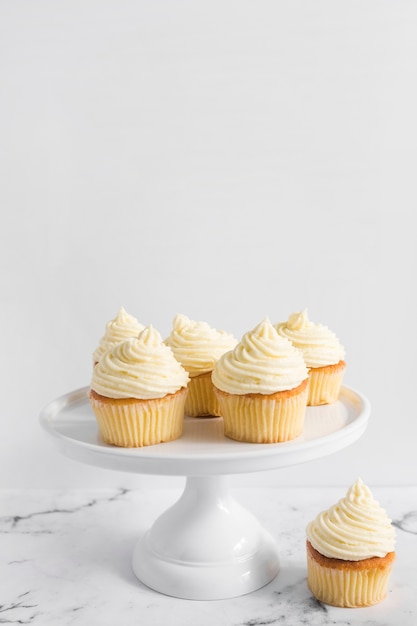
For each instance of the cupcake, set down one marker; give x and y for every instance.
(261, 386)
(138, 391)
(323, 354)
(122, 327)
(198, 347)
(350, 551)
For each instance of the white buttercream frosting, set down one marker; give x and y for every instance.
(355, 528)
(262, 362)
(198, 346)
(118, 329)
(142, 367)
(319, 345)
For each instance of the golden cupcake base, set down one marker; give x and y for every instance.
(325, 384)
(348, 584)
(133, 423)
(258, 418)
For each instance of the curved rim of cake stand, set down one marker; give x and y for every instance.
(223, 457)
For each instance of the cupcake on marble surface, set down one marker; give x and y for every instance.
(122, 327)
(261, 386)
(323, 353)
(350, 551)
(138, 392)
(198, 347)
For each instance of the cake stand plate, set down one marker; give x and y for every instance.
(206, 546)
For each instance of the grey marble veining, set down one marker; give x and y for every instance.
(408, 523)
(65, 560)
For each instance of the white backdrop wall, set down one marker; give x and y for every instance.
(227, 160)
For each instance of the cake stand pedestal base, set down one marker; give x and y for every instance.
(206, 546)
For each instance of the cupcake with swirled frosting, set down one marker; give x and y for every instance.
(138, 391)
(122, 327)
(350, 551)
(323, 353)
(261, 386)
(198, 347)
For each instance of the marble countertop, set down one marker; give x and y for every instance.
(66, 560)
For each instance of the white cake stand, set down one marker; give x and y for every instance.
(206, 546)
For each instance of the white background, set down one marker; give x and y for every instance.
(226, 160)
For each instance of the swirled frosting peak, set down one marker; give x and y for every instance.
(142, 367)
(355, 528)
(319, 345)
(118, 329)
(262, 362)
(198, 346)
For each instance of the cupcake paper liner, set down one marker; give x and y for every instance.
(325, 384)
(260, 418)
(132, 424)
(348, 587)
(201, 399)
